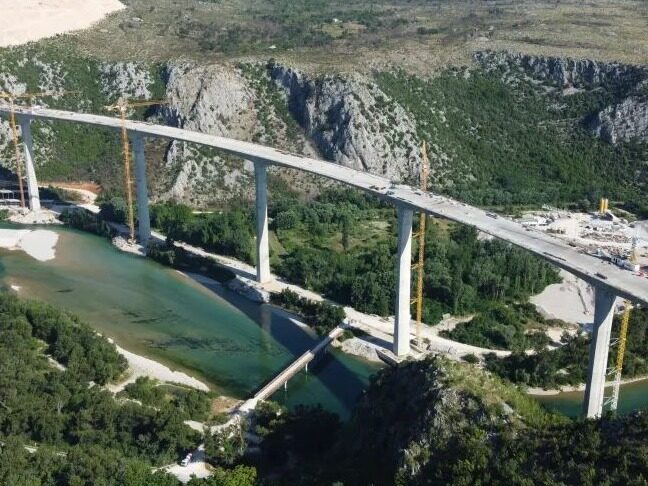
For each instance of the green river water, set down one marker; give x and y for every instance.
(214, 334)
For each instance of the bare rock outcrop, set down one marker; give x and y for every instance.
(623, 122)
(352, 122)
(565, 71)
(212, 99)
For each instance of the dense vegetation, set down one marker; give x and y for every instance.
(516, 327)
(428, 423)
(60, 426)
(85, 220)
(513, 142)
(441, 422)
(567, 364)
(342, 244)
(230, 232)
(321, 316)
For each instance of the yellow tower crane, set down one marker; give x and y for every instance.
(11, 98)
(420, 235)
(623, 338)
(122, 107)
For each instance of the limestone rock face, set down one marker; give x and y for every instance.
(212, 99)
(623, 122)
(352, 122)
(565, 71)
(126, 79)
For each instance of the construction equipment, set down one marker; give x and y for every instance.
(11, 98)
(122, 107)
(622, 340)
(604, 206)
(420, 235)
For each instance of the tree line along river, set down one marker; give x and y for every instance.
(213, 334)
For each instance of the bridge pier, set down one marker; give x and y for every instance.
(403, 280)
(262, 241)
(30, 172)
(598, 357)
(143, 216)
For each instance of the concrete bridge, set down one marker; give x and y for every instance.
(608, 280)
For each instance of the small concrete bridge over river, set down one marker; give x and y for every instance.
(609, 281)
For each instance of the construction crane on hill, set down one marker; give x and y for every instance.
(11, 98)
(122, 107)
(420, 235)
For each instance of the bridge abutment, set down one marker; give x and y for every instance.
(262, 241)
(598, 357)
(403, 281)
(30, 172)
(143, 216)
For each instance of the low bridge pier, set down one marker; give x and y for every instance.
(402, 318)
(30, 172)
(143, 217)
(598, 355)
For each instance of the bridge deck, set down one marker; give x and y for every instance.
(290, 371)
(602, 274)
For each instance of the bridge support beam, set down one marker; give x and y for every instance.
(143, 217)
(30, 172)
(598, 357)
(262, 241)
(403, 280)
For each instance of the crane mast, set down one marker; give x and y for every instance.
(122, 107)
(421, 248)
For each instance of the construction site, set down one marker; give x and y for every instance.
(603, 234)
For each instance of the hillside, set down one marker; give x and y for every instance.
(436, 422)
(506, 129)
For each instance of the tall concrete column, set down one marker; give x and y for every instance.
(403, 280)
(143, 217)
(30, 172)
(598, 357)
(262, 242)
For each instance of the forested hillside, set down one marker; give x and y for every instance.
(60, 426)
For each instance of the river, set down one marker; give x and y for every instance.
(213, 334)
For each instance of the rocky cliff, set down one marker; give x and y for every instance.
(352, 122)
(345, 119)
(622, 121)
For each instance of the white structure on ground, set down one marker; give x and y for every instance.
(610, 281)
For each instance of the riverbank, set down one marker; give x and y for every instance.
(579, 388)
(140, 366)
(38, 244)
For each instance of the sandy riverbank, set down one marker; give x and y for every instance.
(140, 366)
(29, 20)
(39, 244)
(579, 388)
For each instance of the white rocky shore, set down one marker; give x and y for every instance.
(140, 366)
(39, 244)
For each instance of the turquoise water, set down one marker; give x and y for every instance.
(213, 334)
(632, 396)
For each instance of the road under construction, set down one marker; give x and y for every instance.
(610, 281)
